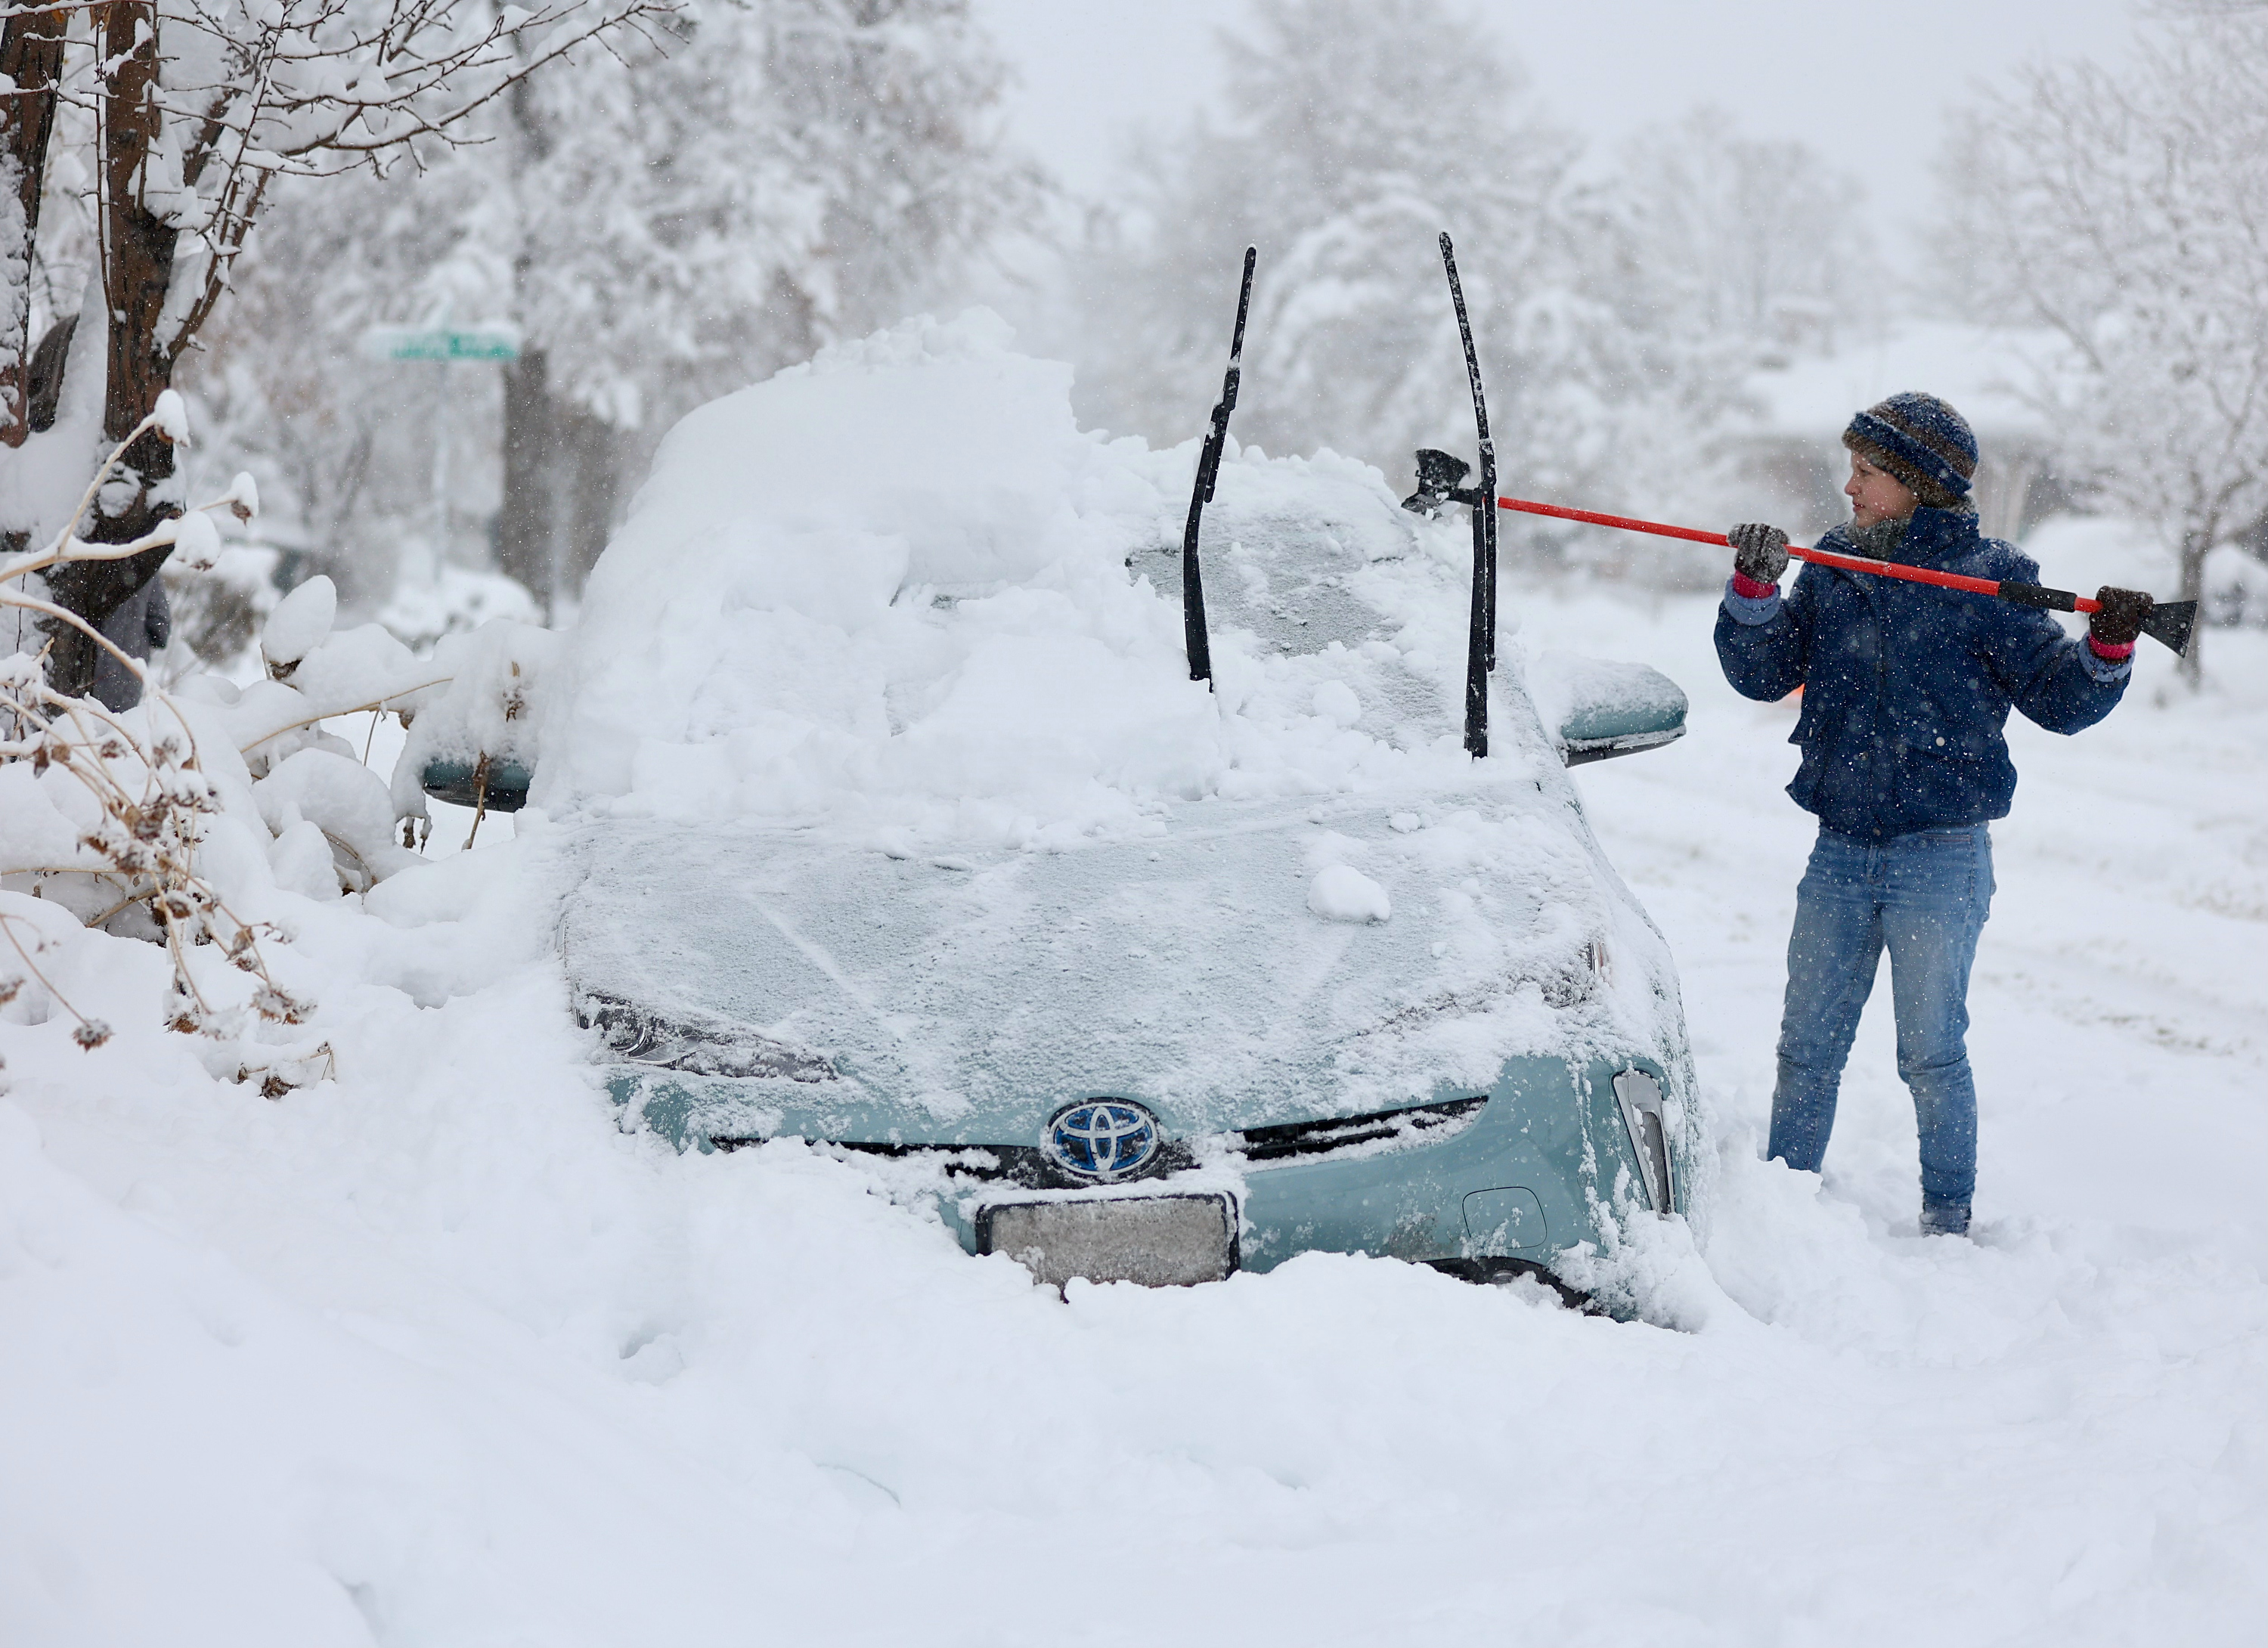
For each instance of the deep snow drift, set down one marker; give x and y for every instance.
(433, 1352)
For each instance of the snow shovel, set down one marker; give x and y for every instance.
(2170, 623)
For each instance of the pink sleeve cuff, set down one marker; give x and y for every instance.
(2104, 650)
(1748, 589)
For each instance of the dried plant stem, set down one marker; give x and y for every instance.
(126, 902)
(479, 799)
(87, 1026)
(376, 707)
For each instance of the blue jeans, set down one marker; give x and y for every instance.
(1924, 897)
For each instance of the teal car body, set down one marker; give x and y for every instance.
(1479, 1079)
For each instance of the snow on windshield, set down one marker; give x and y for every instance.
(899, 588)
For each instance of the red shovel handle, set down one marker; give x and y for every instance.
(1849, 563)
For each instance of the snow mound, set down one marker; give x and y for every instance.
(1341, 892)
(907, 536)
(346, 801)
(300, 622)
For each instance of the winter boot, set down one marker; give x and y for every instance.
(1945, 1218)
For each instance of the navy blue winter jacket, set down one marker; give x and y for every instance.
(1906, 686)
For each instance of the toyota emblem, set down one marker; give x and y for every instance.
(1102, 1139)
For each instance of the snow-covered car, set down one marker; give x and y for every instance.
(883, 814)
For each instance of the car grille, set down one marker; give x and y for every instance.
(1410, 1126)
(1019, 1164)
(1024, 1165)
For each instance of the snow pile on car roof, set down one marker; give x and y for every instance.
(891, 587)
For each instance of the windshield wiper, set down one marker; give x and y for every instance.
(1193, 613)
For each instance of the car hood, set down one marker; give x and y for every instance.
(1221, 970)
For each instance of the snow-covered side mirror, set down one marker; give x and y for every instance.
(1596, 708)
(472, 739)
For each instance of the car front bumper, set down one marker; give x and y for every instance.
(1520, 1177)
(1524, 1179)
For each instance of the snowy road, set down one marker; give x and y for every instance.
(435, 1355)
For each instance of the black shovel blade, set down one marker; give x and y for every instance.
(1439, 475)
(2172, 623)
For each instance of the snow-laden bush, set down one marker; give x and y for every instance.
(198, 817)
(454, 599)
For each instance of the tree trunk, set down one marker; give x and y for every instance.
(2196, 545)
(32, 57)
(596, 452)
(137, 269)
(562, 474)
(541, 476)
(526, 528)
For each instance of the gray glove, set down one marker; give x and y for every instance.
(1761, 552)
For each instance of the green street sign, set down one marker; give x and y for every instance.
(442, 344)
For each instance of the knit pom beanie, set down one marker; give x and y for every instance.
(1923, 442)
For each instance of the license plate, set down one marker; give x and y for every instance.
(1158, 1241)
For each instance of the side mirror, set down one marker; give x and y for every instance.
(501, 785)
(1595, 708)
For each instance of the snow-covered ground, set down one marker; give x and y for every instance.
(434, 1354)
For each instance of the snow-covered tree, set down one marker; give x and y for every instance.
(2128, 214)
(663, 222)
(790, 174)
(1360, 129)
(1752, 238)
(195, 108)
